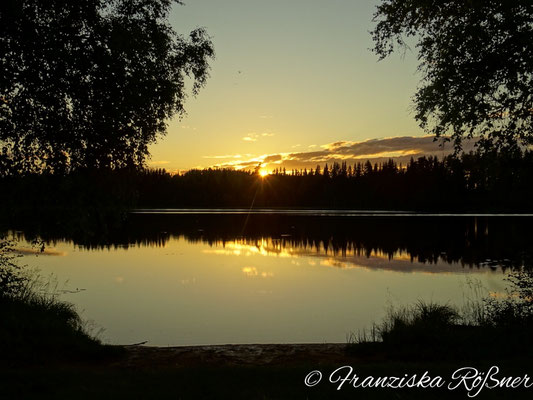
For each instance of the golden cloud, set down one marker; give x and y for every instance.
(376, 150)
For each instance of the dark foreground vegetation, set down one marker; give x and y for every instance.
(37, 327)
(492, 182)
(488, 329)
(426, 338)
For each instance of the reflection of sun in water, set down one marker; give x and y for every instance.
(263, 173)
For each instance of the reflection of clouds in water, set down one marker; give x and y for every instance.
(347, 258)
(330, 262)
(394, 265)
(264, 292)
(26, 251)
(223, 252)
(244, 249)
(249, 271)
(252, 272)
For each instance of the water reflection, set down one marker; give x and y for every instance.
(350, 257)
(206, 279)
(473, 242)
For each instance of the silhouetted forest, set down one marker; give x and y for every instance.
(471, 183)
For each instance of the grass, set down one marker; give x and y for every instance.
(485, 328)
(36, 325)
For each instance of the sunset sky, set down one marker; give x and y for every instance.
(294, 82)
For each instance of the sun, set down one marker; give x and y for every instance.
(263, 173)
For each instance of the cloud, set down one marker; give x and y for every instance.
(253, 136)
(400, 148)
(272, 158)
(397, 146)
(162, 162)
(225, 156)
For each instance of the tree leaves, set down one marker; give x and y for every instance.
(476, 61)
(90, 84)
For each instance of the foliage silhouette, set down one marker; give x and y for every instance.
(432, 331)
(476, 61)
(12, 278)
(516, 308)
(36, 324)
(91, 83)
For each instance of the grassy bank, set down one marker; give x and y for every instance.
(488, 328)
(36, 325)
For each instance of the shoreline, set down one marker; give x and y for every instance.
(247, 371)
(318, 212)
(234, 355)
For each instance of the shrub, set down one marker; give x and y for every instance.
(515, 309)
(12, 280)
(36, 325)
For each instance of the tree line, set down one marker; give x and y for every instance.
(472, 182)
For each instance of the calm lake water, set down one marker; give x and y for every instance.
(184, 277)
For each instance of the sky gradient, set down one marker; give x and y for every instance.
(290, 76)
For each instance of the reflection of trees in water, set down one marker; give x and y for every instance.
(470, 241)
(467, 240)
(349, 257)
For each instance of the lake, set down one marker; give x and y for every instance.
(185, 277)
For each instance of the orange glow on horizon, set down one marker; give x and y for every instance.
(263, 173)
